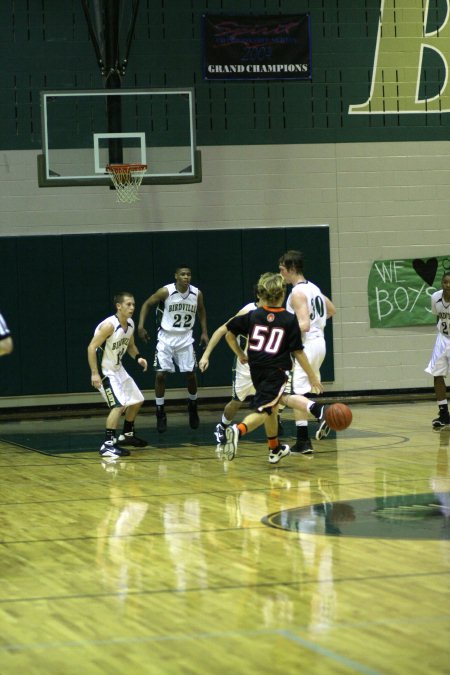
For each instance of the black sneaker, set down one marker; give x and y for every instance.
(318, 410)
(442, 421)
(303, 448)
(110, 449)
(161, 419)
(194, 420)
(131, 439)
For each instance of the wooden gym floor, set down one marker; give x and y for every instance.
(172, 561)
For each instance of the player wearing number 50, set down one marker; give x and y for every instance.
(312, 309)
(113, 338)
(439, 365)
(178, 305)
(273, 339)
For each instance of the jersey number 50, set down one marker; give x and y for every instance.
(266, 339)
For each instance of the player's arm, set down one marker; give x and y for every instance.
(160, 295)
(103, 334)
(302, 360)
(330, 308)
(213, 342)
(299, 304)
(215, 339)
(201, 311)
(134, 353)
(6, 346)
(233, 344)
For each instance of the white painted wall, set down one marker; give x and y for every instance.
(381, 201)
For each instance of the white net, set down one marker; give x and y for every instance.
(127, 179)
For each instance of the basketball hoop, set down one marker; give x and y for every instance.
(127, 179)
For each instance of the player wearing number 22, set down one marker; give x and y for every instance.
(178, 304)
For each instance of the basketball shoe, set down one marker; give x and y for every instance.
(442, 421)
(231, 442)
(110, 449)
(283, 450)
(194, 419)
(220, 434)
(161, 419)
(131, 439)
(322, 431)
(303, 447)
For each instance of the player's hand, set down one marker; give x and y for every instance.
(143, 362)
(316, 386)
(203, 363)
(204, 339)
(143, 334)
(96, 381)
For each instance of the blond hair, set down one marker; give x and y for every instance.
(271, 287)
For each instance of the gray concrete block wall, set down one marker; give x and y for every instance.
(381, 201)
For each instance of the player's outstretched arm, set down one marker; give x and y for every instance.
(234, 346)
(159, 296)
(212, 344)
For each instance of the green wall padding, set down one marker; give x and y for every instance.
(60, 287)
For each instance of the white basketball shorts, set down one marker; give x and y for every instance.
(120, 390)
(315, 350)
(440, 358)
(168, 356)
(242, 385)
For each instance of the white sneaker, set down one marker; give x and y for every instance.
(322, 431)
(283, 450)
(230, 445)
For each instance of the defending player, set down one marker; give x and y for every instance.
(439, 365)
(113, 338)
(179, 302)
(312, 309)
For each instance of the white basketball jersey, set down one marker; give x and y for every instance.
(243, 368)
(317, 309)
(441, 309)
(179, 310)
(111, 352)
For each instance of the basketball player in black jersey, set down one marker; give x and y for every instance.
(273, 338)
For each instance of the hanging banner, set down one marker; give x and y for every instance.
(256, 47)
(400, 291)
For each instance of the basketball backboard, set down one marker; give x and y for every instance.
(84, 130)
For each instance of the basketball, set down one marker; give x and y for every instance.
(338, 416)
